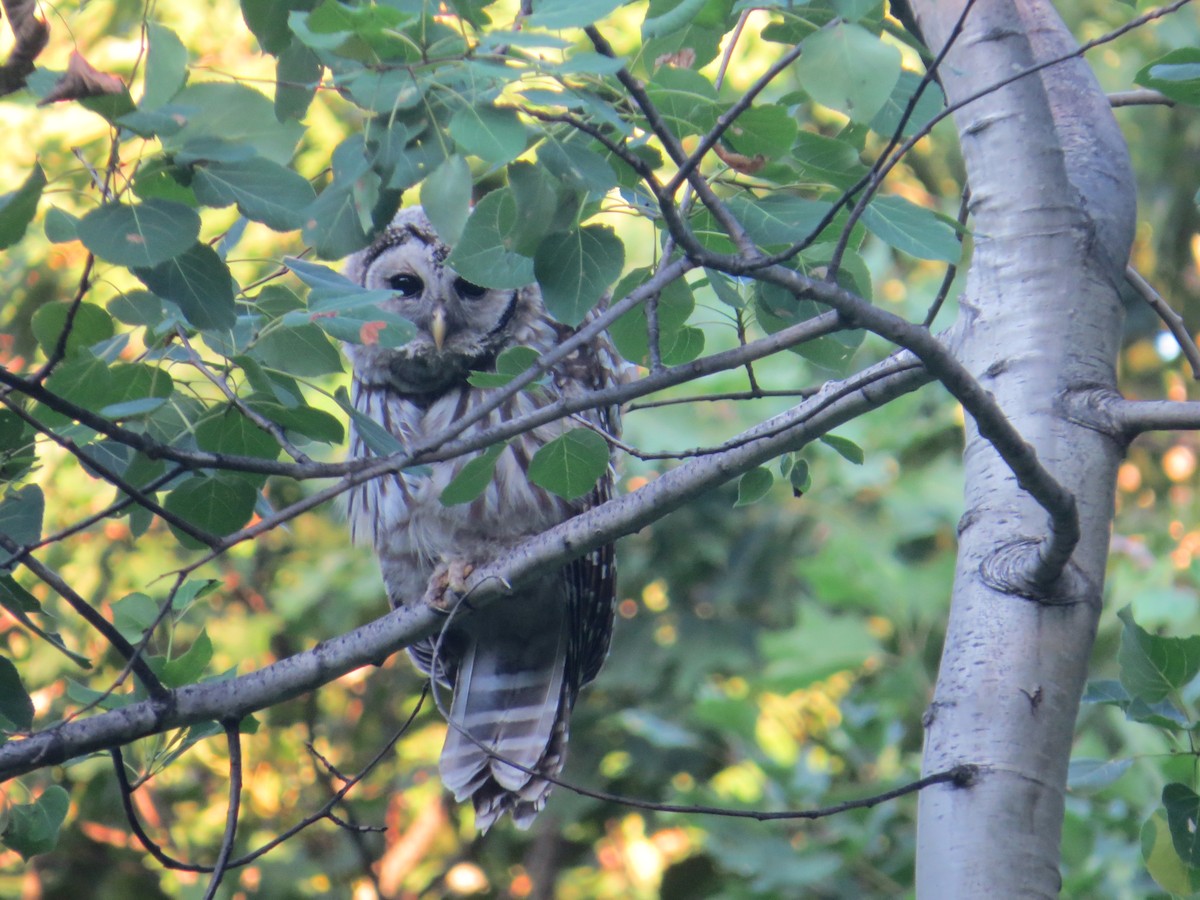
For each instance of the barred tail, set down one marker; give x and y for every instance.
(510, 697)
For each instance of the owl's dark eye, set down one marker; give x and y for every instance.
(405, 284)
(467, 290)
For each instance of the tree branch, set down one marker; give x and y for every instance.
(837, 402)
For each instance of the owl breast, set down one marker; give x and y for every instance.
(402, 515)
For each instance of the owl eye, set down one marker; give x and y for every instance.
(467, 290)
(405, 284)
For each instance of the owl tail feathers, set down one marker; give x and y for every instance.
(519, 712)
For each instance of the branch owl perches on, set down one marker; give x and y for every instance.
(516, 666)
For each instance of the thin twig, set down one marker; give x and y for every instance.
(1170, 318)
(233, 738)
(1142, 97)
(951, 270)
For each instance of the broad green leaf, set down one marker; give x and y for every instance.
(1183, 816)
(17, 448)
(675, 305)
(1177, 74)
(1089, 775)
(494, 134)
(847, 68)
(135, 383)
(316, 275)
(61, 227)
(235, 115)
(671, 20)
(912, 229)
(18, 208)
(142, 235)
(753, 486)
(166, 66)
(217, 504)
(136, 308)
(577, 166)
(685, 99)
(89, 325)
(845, 448)
(574, 270)
(364, 325)
(84, 381)
(263, 191)
(1106, 691)
(554, 15)
(800, 476)
(300, 350)
(474, 476)
(446, 198)
(134, 615)
(509, 364)
(778, 220)
(314, 424)
(571, 464)
(931, 103)
(1153, 667)
(268, 21)
(297, 74)
(768, 131)
(33, 827)
(188, 668)
(16, 706)
(199, 282)
(536, 194)
(385, 92)
(1162, 861)
(484, 254)
(230, 433)
(21, 512)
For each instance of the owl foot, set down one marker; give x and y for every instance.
(448, 585)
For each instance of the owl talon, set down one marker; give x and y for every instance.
(448, 585)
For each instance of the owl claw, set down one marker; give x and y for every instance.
(448, 585)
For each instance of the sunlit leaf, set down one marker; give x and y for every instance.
(556, 14)
(492, 133)
(166, 66)
(847, 68)
(484, 253)
(575, 269)
(89, 325)
(18, 208)
(446, 198)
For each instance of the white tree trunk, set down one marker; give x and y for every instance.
(1053, 215)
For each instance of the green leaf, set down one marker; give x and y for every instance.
(90, 325)
(144, 235)
(509, 364)
(134, 615)
(577, 166)
(1162, 861)
(912, 229)
(778, 220)
(931, 103)
(800, 477)
(574, 269)
(233, 115)
(263, 191)
(768, 131)
(60, 227)
(314, 424)
(361, 324)
(1153, 667)
(1183, 817)
(753, 486)
(537, 197)
(229, 432)
(136, 308)
(571, 464)
(554, 15)
(845, 447)
(474, 477)
(302, 350)
(188, 668)
(672, 20)
(1090, 775)
(1177, 74)
(21, 513)
(675, 306)
(199, 282)
(297, 74)
(18, 208)
(19, 603)
(33, 827)
(847, 68)
(217, 504)
(16, 706)
(484, 254)
(685, 99)
(166, 66)
(446, 198)
(494, 134)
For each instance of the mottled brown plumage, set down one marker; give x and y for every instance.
(518, 664)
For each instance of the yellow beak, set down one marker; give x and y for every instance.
(437, 328)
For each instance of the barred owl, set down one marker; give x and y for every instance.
(516, 666)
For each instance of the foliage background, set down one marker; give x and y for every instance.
(776, 655)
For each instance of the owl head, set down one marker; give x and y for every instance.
(461, 326)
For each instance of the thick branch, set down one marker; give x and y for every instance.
(371, 644)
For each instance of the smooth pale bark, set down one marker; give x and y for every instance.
(1053, 216)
